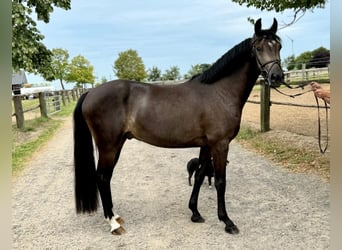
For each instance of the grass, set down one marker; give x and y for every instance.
(37, 132)
(297, 159)
(28, 104)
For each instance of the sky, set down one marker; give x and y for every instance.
(170, 33)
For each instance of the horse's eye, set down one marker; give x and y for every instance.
(258, 48)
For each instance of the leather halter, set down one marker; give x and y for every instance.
(262, 66)
(264, 72)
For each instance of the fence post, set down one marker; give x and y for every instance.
(19, 113)
(73, 95)
(63, 97)
(68, 95)
(265, 104)
(304, 72)
(42, 105)
(77, 94)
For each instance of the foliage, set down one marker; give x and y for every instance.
(172, 73)
(197, 69)
(320, 58)
(298, 7)
(59, 67)
(129, 66)
(281, 5)
(154, 74)
(289, 62)
(103, 79)
(28, 50)
(80, 71)
(317, 58)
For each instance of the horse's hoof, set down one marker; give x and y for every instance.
(119, 231)
(232, 229)
(120, 220)
(197, 219)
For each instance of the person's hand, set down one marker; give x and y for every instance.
(321, 93)
(315, 86)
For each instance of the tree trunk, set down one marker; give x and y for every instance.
(62, 83)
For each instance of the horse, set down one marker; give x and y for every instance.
(203, 112)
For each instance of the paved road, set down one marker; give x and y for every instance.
(273, 208)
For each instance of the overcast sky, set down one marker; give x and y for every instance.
(168, 33)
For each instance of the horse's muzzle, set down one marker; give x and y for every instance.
(275, 75)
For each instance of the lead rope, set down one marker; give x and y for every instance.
(319, 126)
(318, 112)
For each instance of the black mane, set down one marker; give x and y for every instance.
(228, 63)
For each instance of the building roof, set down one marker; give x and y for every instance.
(19, 77)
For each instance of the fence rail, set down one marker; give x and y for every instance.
(52, 102)
(49, 102)
(289, 104)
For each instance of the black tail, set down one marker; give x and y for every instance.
(85, 170)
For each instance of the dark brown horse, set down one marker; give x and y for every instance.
(203, 112)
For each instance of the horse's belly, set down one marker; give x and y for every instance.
(162, 137)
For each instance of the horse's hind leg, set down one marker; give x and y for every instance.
(204, 159)
(108, 157)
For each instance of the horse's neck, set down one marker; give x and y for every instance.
(241, 82)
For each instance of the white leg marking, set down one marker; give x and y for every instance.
(113, 223)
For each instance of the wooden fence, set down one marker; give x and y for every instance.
(47, 106)
(48, 103)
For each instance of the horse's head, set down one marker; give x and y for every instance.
(266, 49)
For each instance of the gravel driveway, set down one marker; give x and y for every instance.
(273, 208)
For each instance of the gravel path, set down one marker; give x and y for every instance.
(273, 208)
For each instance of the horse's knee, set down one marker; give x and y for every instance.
(220, 184)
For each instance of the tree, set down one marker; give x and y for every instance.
(317, 58)
(289, 63)
(103, 79)
(303, 58)
(154, 74)
(298, 7)
(129, 66)
(28, 50)
(80, 71)
(320, 58)
(197, 69)
(59, 66)
(172, 74)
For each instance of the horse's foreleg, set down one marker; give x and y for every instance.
(204, 158)
(220, 153)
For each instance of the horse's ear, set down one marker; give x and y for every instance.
(274, 27)
(257, 26)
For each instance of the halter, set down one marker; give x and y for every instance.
(264, 72)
